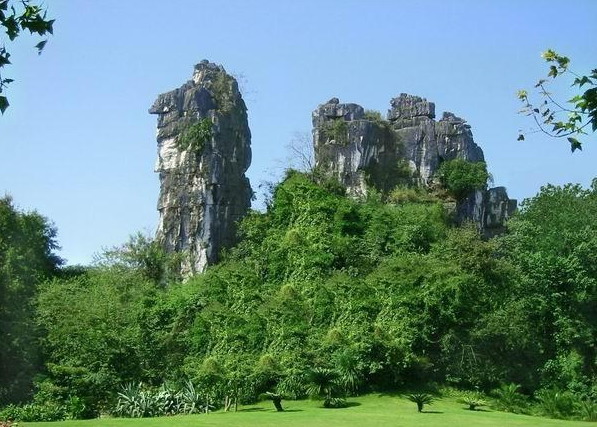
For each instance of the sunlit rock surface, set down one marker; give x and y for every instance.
(363, 151)
(203, 192)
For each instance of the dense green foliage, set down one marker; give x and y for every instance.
(460, 177)
(27, 242)
(331, 297)
(549, 319)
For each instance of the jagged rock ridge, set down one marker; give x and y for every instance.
(363, 151)
(203, 187)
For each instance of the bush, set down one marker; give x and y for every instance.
(373, 115)
(335, 402)
(473, 400)
(336, 130)
(33, 413)
(136, 401)
(587, 410)
(461, 177)
(555, 403)
(404, 194)
(293, 386)
(508, 399)
(421, 399)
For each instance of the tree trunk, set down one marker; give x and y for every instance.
(278, 403)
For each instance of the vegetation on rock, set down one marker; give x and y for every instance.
(461, 177)
(195, 136)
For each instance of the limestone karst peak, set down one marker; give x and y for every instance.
(204, 150)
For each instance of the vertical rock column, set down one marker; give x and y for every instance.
(204, 150)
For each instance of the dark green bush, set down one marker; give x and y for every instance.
(34, 412)
(555, 403)
(509, 399)
(461, 177)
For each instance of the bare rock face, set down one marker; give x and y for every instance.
(428, 142)
(362, 151)
(203, 188)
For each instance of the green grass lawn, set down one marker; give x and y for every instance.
(371, 410)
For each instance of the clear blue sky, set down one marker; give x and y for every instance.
(78, 145)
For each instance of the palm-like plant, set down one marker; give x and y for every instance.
(350, 377)
(473, 400)
(420, 399)
(323, 383)
(509, 399)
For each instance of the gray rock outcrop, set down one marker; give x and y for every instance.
(361, 151)
(203, 187)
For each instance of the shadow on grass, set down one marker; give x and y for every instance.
(253, 409)
(293, 410)
(431, 412)
(347, 405)
(352, 404)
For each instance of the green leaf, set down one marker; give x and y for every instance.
(553, 71)
(3, 104)
(582, 81)
(12, 27)
(4, 59)
(522, 94)
(40, 46)
(574, 144)
(549, 55)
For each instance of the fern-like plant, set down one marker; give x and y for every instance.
(473, 400)
(508, 399)
(421, 399)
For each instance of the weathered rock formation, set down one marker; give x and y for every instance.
(364, 151)
(203, 188)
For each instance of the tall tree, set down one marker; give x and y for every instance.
(27, 242)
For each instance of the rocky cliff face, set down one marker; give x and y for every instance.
(364, 151)
(204, 150)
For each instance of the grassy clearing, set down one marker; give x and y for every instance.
(371, 410)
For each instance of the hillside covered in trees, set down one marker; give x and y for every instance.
(323, 294)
